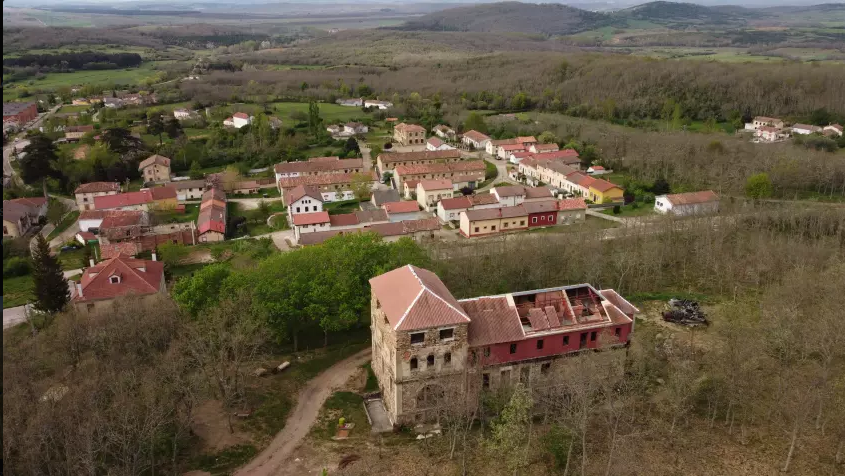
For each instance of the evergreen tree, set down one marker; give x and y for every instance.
(121, 141)
(155, 126)
(314, 120)
(39, 157)
(50, 286)
(511, 434)
(195, 172)
(173, 128)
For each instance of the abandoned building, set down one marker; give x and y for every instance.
(427, 343)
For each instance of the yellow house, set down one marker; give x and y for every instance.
(602, 191)
(163, 198)
(430, 192)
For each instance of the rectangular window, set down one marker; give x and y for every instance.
(447, 358)
(542, 218)
(447, 334)
(493, 228)
(429, 361)
(505, 225)
(485, 380)
(521, 222)
(618, 331)
(544, 369)
(513, 348)
(418, 338)
(486, 352)
(592, 336)
(540, 344)
(583, 342)
(476, 229)
(565, 340)
(414, 363)
(534, 220)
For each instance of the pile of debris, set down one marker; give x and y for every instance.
(686, 312)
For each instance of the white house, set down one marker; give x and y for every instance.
(443, 132)
(805, 129)
(353, 128)
(517, 157)
(89, 219)
(181, 114)
(598, 170)
(540, 148)
(685, 204)
(309, 223)
(449, 209)
(434, 143)
(238, 120)
(189, 189)
(833, 129)
(763, 121)
(351, 102)
(333, 129)
(771, 134)
(377, 103)
(403, 210)
(475, 139)
(303, 199)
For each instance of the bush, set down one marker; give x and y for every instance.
(16, 266)
(617, 209)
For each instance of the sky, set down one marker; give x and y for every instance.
(582, 3)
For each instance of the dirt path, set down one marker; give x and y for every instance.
(271, 461)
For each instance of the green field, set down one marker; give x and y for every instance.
(73, 109)
(329, 112)
(17, 291)
(127, 76)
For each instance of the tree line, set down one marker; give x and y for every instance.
(63, 62)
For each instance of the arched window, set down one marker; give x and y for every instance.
(414, 363)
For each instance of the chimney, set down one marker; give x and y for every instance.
(79, 289)
(154, 256)
(91, 262)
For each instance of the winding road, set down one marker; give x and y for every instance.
(271, 461)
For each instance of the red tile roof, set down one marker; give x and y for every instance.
(32, 202)
(483, 199)
(345, 219)
(154, 159)
(138, 277)
(314, 218)
(401, 207)
(87, 236)
(425, 224)
(118, 218)
(603, 185)
(572, 204)
(512, 147)
(455, 203)
(163, 193)
(318, 180)
(241, 115)
(94, 187)
(557, 154)
(476, 136)
(434, 141)
(435, 168)
(540, 207)
(318, 165)
(493, 321)
(692, 198)
(442, 184)
(546, 147)
(301, 191)
(431, 155)
(123, 248)
(538, 192)
(127, 199)
(413, 298)
(93, 214)
(408, 127)
(494, 213)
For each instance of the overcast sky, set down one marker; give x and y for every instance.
(582, 3)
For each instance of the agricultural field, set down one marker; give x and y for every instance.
(330, 113)
(127, 77)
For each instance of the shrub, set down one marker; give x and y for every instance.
(617, 209)
(15, 266)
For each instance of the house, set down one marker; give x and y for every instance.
(429, 192)
(401, 211)
(568, 157)
(188, 189)
(86, 192)
(318, 166)
(519, 156)
(475, 169)
(156, 198)
(434, 143)
(476, 140)
(238, 120)
(155, 168)
(425, 341)
(408, 134)
(354, 128)
(245, 187)
(85, 238)
(602, 191)
(91, 219)
(333, 187)
(377, 104)
(116, 277)
(539, 148)
(449, 209)
(74, 133)
(130, 232)
(112, 103)
(504, 151)
(805, 129)
(333, 129)
(541, 213)
(390, 160)
(182, 114)
(443, 132)
(512, 195)
(833, 129)
(81, 102)
(771, 134)
(554, 173)
(211, 221)
(686, 204)
(21, 214)
(358, 219)
(351, 102)
(418, 230)
(492, 147)
(597, 170)
(303, 199)
(19, 112)
(380, 197)
(763, 121)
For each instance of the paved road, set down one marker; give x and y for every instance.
(271, 461)
(13, 316)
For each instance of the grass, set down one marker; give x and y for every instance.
(337, 208)
(630, 210)
(67, 221)
(128, 76)
(167, 216)
(270, 192)
(331, 113)
(17, 291)
(590, 224)
(73, 109)
(72, 259)
(346, 405)
(224, 461)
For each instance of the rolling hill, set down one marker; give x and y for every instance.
(546, 19)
